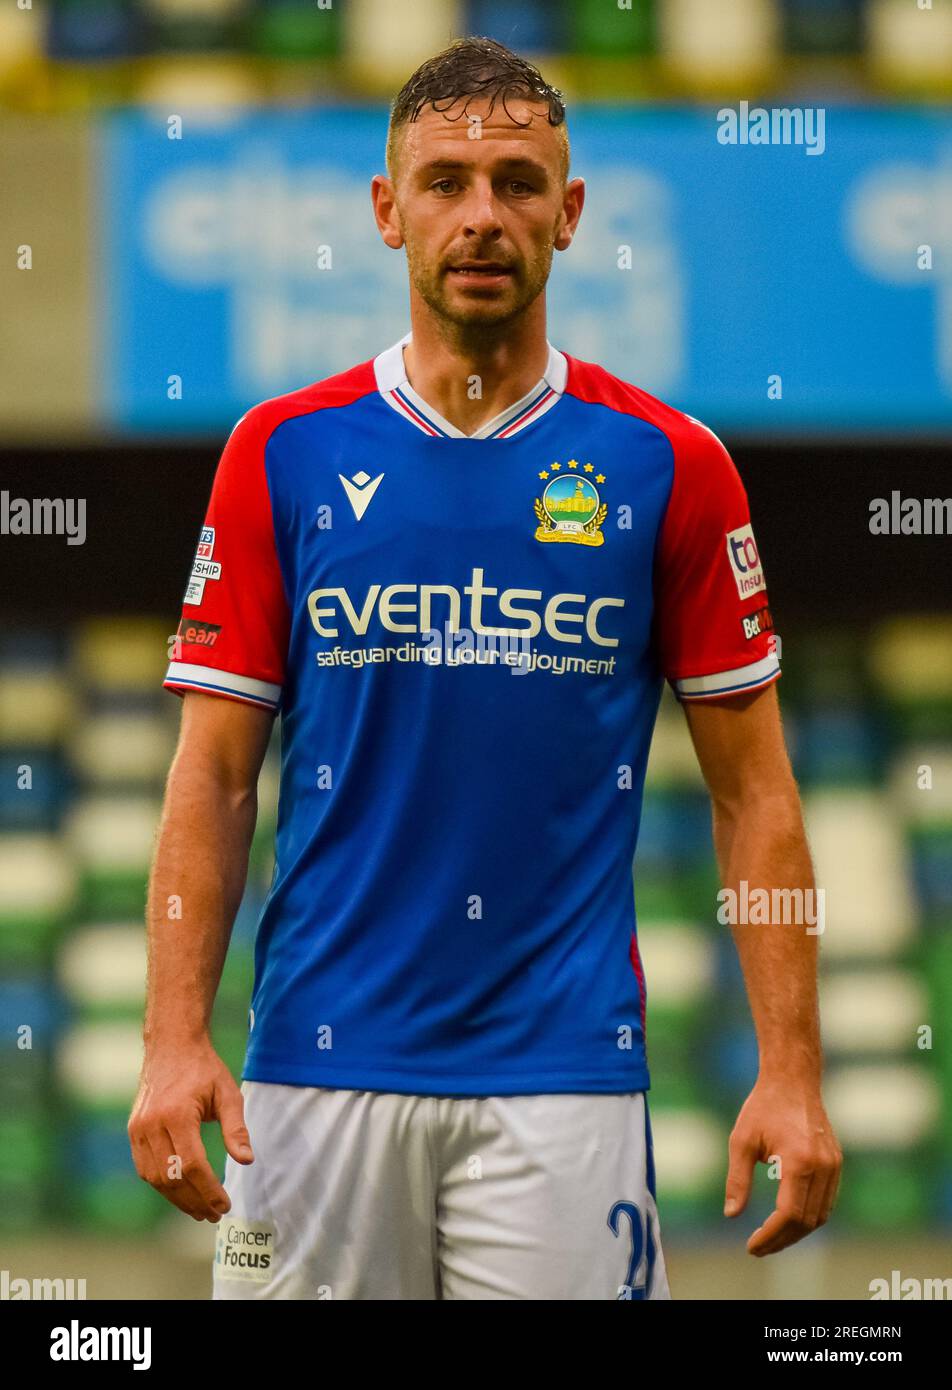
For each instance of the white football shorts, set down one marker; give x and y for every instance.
(373, 1195)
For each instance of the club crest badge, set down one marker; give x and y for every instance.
(570, 508)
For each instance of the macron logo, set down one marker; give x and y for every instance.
(359, 490)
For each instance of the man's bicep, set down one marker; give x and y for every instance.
(740, 746)
(224, 739)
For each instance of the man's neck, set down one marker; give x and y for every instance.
(470, 380)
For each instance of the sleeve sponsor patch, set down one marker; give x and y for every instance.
(201, 634)
(206, 543)
(745, 562)
(203, 567)
(756, 623)
(206, 569)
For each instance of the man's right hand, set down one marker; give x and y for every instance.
(179, 1088)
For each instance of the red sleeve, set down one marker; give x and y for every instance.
(713, 625)
(233, 636)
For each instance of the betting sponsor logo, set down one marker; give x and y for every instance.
(202, 634)
(756, 623)
(745, 561)
(244, 1251)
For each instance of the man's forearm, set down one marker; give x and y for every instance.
(763, 845)
(195, 889)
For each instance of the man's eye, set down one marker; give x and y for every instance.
(519, 186)
(444, 185)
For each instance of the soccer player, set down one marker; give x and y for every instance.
(462, 571)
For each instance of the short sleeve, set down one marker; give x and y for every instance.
(233, 636)
(713, 626)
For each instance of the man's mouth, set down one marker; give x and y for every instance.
(481, 271)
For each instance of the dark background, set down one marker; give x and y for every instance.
(809, 503)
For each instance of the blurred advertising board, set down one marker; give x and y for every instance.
(786, 287)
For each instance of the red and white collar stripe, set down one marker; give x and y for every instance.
(392, 383)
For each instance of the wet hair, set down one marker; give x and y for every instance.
(468, 68)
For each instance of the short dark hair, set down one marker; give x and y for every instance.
(474, 67)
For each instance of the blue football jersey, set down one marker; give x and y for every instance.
(466, 638)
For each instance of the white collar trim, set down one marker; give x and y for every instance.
(391, 376)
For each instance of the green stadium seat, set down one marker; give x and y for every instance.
(294, 30)
(823, 28)
(885, 1193)
(604, 30)
(196, 25)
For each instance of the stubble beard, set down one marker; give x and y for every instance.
(481, 316)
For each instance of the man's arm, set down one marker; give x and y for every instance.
(759, 837)
(195, 889)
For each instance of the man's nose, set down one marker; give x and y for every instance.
(482, 214)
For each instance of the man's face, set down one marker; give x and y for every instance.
(480, 206)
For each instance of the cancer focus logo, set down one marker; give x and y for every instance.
(570, 508)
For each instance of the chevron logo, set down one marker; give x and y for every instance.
(360, 489)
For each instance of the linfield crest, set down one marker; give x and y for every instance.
(570, 508)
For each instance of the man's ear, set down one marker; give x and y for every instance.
(386, 216)
(573, 200)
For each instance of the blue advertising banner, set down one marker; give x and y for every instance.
(767, 272)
